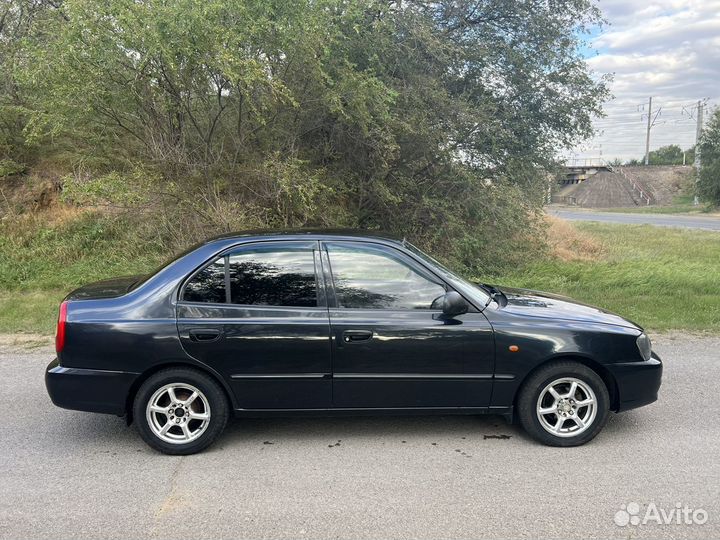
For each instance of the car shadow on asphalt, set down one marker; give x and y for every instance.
(375, 427)
(391, 428)
(104, 433)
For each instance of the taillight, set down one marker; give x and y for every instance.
(60, 330)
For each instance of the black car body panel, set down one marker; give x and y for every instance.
(264, 375)
(542, 305)
(97, 390)
(328, 359)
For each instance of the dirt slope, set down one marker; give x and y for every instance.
(613, 190)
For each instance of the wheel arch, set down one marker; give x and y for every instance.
(604, 373)
(145, 375)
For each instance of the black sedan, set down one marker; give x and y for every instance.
(319, 322)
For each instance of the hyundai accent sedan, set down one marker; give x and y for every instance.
(332, 323)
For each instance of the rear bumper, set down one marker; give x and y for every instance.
(91, 390)
(637, 382)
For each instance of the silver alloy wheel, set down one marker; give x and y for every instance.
(566, 407)
(178, 413)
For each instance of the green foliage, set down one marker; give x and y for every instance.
(19, 20)
(42, 258)
(114, 188)
(662, 278)
(436, 121)
(708, 185)
(671, 154)
(39, 255)
(8, 167)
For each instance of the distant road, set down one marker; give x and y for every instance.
(662, 220)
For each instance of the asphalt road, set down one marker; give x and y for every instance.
(66, 474)
(663, 220)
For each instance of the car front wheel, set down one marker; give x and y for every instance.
(180, 411)
(563, 404)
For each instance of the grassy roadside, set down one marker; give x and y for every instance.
(682, 204)
(663, 278)
(44, 256)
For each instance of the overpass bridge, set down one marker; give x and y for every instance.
(579, 170)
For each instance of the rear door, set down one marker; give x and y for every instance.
(391, 349)
(257, 314)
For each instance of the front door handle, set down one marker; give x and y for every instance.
(205, 334)
(351, 336)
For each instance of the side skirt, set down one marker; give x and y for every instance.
(506, 412)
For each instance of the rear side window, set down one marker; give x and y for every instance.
(259, 276)
(208, 285)
(270, 277)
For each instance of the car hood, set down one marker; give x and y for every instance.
(108, 288)
(543, 305)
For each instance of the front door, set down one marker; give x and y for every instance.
(257, 315)
(389, 347)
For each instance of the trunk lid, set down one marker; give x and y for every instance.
(108, 288)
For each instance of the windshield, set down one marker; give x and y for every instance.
(458, 282)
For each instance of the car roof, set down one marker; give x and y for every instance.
(310, 232)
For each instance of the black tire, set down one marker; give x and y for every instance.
(214, 395)
(527, 402)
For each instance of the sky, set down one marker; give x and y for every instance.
(667, 49)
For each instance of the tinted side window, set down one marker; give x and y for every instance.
(273, 276)
(208, 285)
(366, 277)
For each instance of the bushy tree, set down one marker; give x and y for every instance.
(18, 22)
(708, 184)
(671, 154)
(435, 120)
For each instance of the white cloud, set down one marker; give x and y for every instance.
(668, 49)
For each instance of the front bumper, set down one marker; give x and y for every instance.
(91, 390)
(637, 382)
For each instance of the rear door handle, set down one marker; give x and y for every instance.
(205, 334)
(351, 336)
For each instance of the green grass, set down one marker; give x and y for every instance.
(662, 278)
(682, 204)
(41, 262)
(31, 312)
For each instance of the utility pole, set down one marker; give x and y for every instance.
(651, 121)
(647, 137)
(698, 133)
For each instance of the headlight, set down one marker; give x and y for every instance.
(644, 346)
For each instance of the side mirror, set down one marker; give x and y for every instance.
(452, 304)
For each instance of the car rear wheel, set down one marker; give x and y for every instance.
(180, 411)
(563, 404)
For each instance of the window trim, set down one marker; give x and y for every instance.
(312, 246)
(411, 262)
